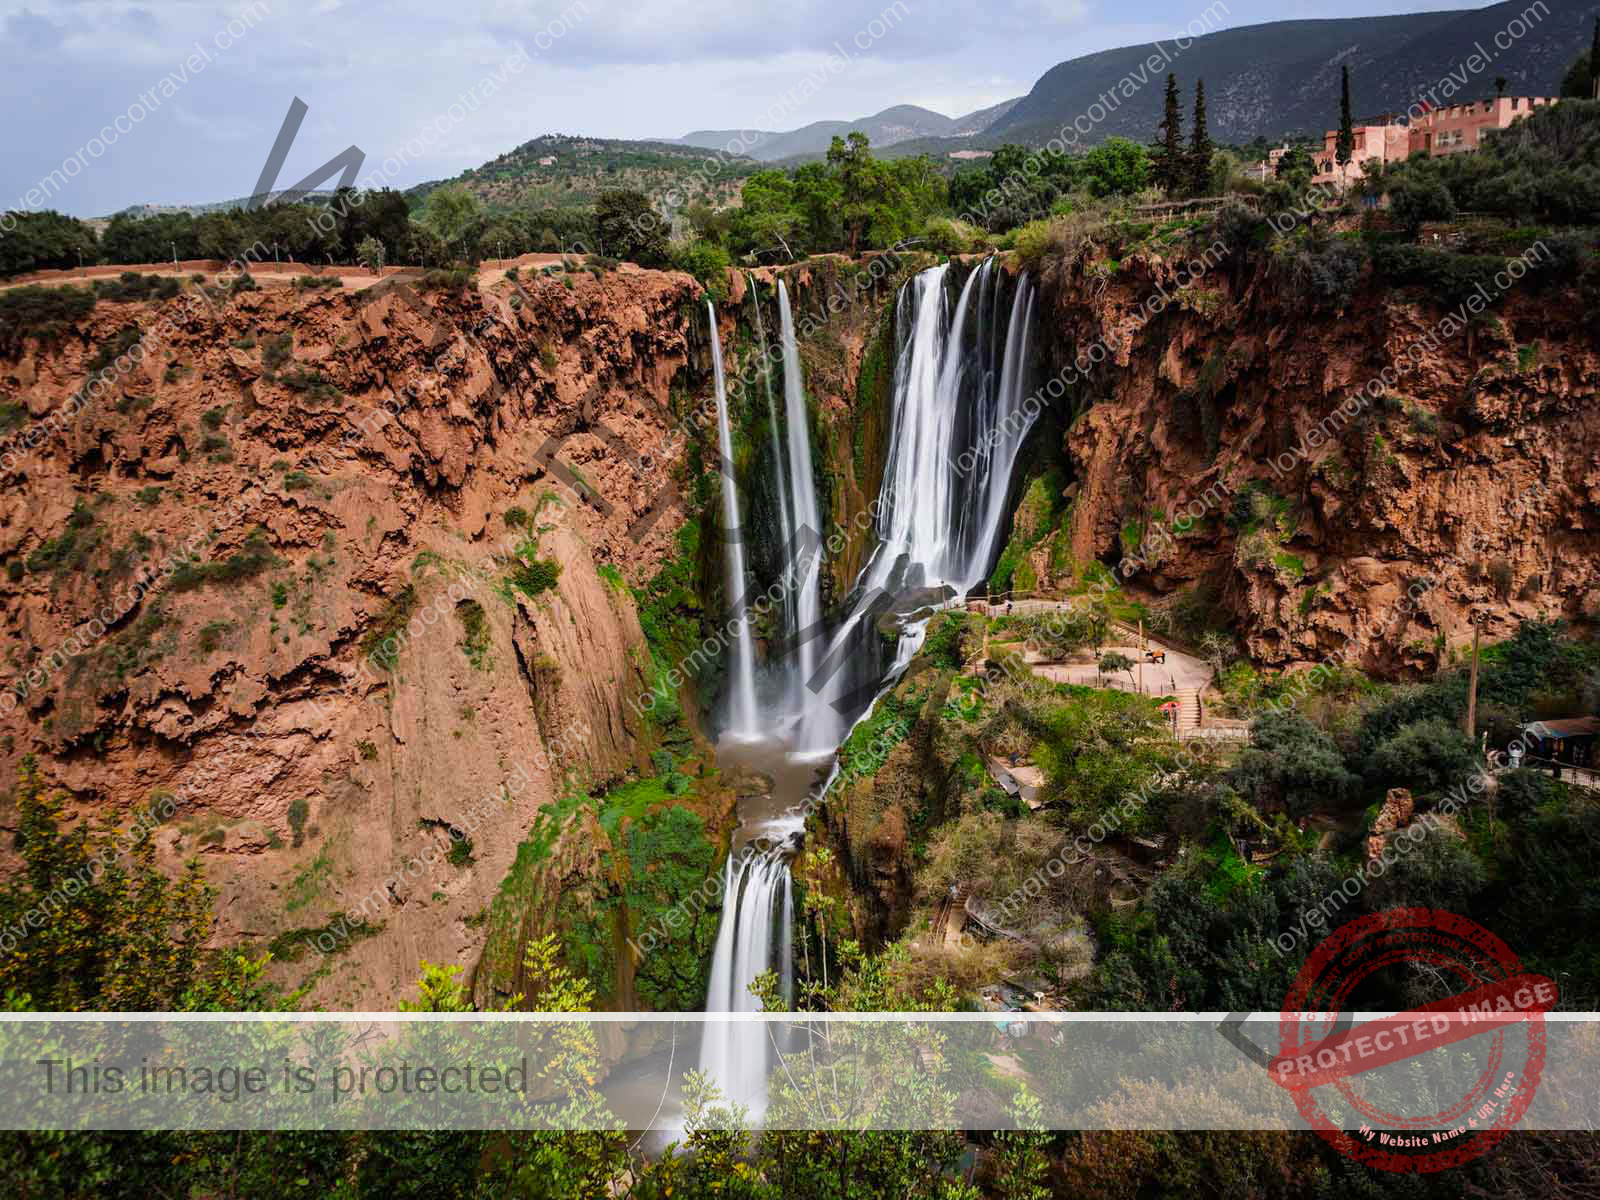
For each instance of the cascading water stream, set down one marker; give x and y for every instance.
(956, 428)
(959, 415)
(780, 473)
(806, 603)
(758, 907)
(742, 694)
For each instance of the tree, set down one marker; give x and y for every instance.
(768, 215)
(449, 212)
(1116, 167)
(1417, 198)
(862, 183)
(382, 214)
(1579, 81)
(1166, 152)
(818, 197)
(1111, 662)
(1292, 765)
(1200, 145)
(629, 229)
(123, 938)
(370, 254)
(48, 240)
(1429, 757)
(1345, 148)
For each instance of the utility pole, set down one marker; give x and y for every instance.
(174, 258)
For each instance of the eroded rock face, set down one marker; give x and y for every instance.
(308, 775)
(1471, 489)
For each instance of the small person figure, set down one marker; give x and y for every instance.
(1008, 608)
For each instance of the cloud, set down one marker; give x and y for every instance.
(32, 32)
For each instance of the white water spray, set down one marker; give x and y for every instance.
(742, 696)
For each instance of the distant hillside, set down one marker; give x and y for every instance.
(580, 168)
(902, 123)
(1283, 77)
(977, 122)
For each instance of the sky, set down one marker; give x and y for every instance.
(195, 93)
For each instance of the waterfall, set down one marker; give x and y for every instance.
(742, 698)
(780, 474)
(957, 424)
(806, 603)
(756, 895)
(960, 413)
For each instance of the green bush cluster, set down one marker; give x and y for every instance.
(252, 558)
(40, 312)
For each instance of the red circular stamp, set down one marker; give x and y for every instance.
(1356, 1084)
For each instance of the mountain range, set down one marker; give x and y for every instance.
(1272, 80)
(902, 123)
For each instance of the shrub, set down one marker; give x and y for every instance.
(946, 641)
(296, 481)
(299, 810)
(452, 279)
(131, 285)
(211, 635)
(475, 636)
(1428, 756)
(707, 262)
(312, 283)
(533, 578)
(40, 312)
(121, 342)
(390, 622)
(311, 384)
(1237, 226)
(275, 351)
(1325, 275)
(212, 418)
(944, 236)
(1444, 274)
(1293, 765)
(1418, 198)
(254, 557)
(69, 550)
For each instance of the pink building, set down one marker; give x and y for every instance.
(1454, 129)
(1458, 128)
(1377, 144)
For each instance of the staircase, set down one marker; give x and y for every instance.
(1188, 710)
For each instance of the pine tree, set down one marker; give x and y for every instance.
(1345, 147)
(1594, 60)
(1167, 164)
(1200, 146)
